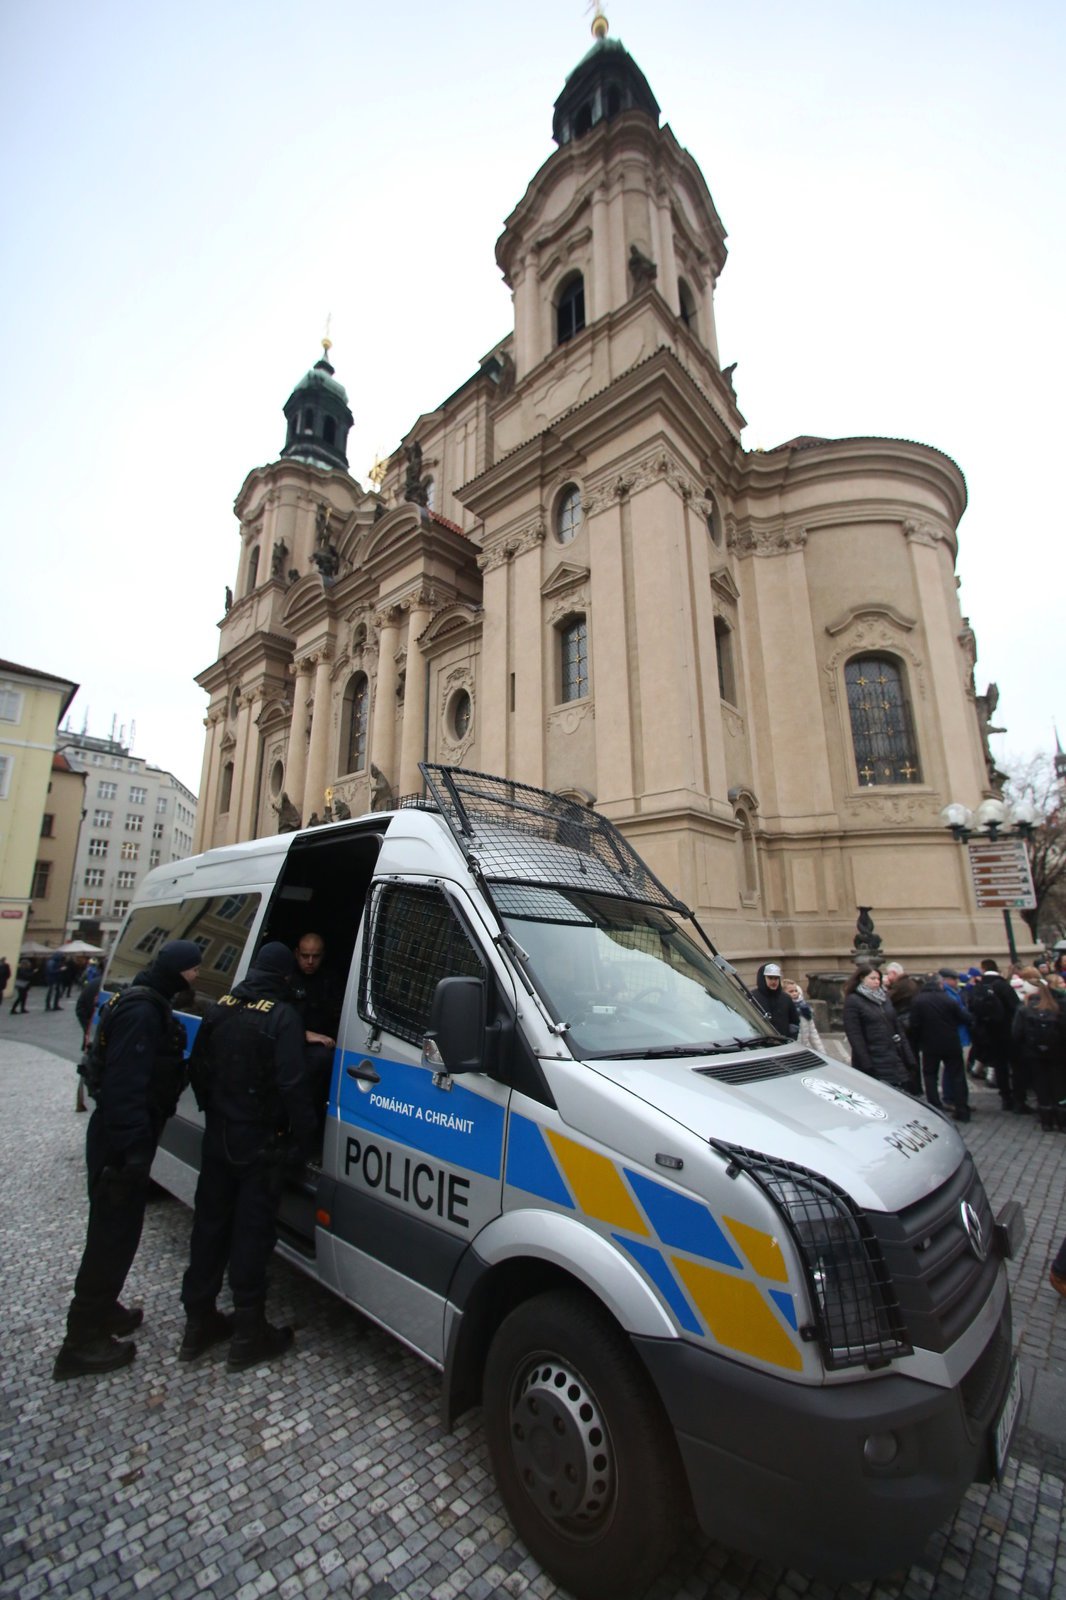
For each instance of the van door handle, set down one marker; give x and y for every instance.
(365, 1071)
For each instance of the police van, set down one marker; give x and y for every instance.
(681, 1263)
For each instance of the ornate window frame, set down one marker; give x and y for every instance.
(878, 629)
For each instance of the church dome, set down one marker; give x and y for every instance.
(605, 82)
(318, 416)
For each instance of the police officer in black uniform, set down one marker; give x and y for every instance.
(141, 1071)
(249, 1075)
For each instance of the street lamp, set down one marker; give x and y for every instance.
(994, 819)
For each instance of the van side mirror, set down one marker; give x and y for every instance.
(455, 1041)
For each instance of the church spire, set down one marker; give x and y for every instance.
(317, 415)
(606, 82)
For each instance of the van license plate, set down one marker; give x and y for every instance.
(1008, 1417)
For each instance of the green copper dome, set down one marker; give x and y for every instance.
(318, 416)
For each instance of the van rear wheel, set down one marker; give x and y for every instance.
(583, 1456)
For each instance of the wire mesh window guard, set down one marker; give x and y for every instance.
(515, 833)
(574, 643)
(415, 940)
(882, 731)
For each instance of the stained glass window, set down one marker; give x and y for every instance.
(882, 731)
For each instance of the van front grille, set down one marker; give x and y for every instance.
(764, 1067)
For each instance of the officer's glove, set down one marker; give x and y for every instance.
(120, 1184)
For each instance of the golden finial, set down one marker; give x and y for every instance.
(599, 22)
(378, 470)
(327, 342)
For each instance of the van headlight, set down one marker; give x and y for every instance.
(858, 1321)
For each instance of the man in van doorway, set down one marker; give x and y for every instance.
(137, 1071)
(249, 1077)
(319, 996)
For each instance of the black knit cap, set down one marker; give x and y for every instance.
(276, 959)
(178, 956)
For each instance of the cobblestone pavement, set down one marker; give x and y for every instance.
(329, 1472)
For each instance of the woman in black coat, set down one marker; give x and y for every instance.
(1038, 1040)
(878, 1047)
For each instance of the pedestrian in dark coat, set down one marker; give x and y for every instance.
(53, 976)
(249, 1076)
(23, 981)
(5, 977)
(775, 1001)
(878, 1047)
(935, 1018)
(143, 1073)
(1038, 1034)
(992, 1004)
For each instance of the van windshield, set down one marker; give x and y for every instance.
(625, 979)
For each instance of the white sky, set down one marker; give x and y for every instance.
(187, 189)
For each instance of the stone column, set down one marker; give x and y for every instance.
(296, 758)
(599, 300)
(412, 738)
(383, 713)
(314, 795)
(205, 807)
(668, 265)
(710, 336)
(245, 800)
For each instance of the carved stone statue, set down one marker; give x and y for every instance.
(986, 709)
(322, 516)
(288, 816)
(328, 562)
(341, 810)
(866, 941)
(415, 487)
(278, 558)
(293, 577)
(380, 790)
(642, 270)
(505, 377)
(229, 597)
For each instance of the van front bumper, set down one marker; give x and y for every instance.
(783, 1469)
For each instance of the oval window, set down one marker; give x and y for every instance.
(460, 713)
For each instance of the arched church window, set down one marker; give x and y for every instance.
(882, 729)
(687, 302)
(225, 791)
(723, 650)
(570, 308)
(574, 659)
(568, 514)
(253, 570)
(714, 516)
(329, 431)
(355, 721)
(308, 424)
(614, 100)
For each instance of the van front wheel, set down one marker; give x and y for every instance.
(583, 1456)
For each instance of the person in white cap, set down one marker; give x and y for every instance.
(778, 1005)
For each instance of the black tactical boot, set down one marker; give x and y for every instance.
(87, 1358)
(203, 1330)
(121, 1321)
(255, 1340)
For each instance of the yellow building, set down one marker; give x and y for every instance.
(572, 572)
(32, 705)
(57, 849)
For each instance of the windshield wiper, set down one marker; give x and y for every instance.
(756, 1042)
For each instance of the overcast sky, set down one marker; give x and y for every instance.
(189, 189)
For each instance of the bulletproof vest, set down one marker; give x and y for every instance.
(168, 1067)
(238, 1075)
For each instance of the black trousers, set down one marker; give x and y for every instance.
(954, 1083)
(116, 1217)
(235, 1221)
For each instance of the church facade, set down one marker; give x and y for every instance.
(573, 573)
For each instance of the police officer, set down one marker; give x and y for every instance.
(141, 1073)
(249, 1076)
(319, 996)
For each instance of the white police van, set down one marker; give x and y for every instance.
(679, 1261)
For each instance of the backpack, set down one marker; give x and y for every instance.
(986, 1007)
(94, 1059)
(1042, 1031)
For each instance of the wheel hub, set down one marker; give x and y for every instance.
(561, 1445)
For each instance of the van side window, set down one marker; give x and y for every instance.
(415, 940)
(219, 924)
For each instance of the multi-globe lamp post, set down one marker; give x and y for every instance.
(992, 822)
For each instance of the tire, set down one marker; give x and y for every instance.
(584, 1459)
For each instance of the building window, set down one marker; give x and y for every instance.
(134, 822)
(354, 721)
(153, 858)
(98, 848)
(253, 570)
(106, 791)
(48, 823)
(570, 308)
(102, 819)
(138, 796)
(125, 879)
(687, 302)
(225, 793)
(308, 421)
(90, 910)
(882, 729)
(161, 806)
(458, 716)
(10, 705)
(130, 850)
(157, 830)
(94, 878)
(568, 514)
(227, 958)
(119, 909)
(574, 648)
(723, 650)
(41, 874)
(6, 764)
(329, 435)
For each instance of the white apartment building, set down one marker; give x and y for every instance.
(136, 817)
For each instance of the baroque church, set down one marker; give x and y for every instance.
(572, 572)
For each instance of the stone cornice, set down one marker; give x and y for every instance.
(871, 611)
(766, 541)
(513, 540)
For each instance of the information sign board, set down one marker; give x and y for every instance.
(1001, 876)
